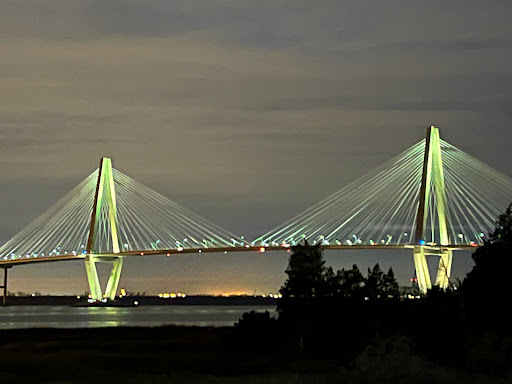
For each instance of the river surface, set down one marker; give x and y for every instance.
(17, 317)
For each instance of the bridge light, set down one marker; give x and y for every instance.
(262, 249)
(482, 234)
(168, 254)
(180, 249)
(142, 253)
(421, 242)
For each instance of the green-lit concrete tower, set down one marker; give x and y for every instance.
(432, 183)
(105, 193)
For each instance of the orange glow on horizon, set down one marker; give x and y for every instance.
(234, 293)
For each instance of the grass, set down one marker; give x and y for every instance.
(204, 355)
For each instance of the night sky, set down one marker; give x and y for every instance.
(246, 112)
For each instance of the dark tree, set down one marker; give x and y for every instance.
(487, 291)
(332, 283)
(390, 288)
(305, 272)
(374, 283)
(352, 282)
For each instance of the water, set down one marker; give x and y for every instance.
(17, 317)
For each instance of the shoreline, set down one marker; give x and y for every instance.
(128, 301)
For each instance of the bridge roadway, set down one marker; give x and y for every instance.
(428, 249)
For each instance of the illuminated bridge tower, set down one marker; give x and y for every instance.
(109, 216)
(432, 192)
(105, 192)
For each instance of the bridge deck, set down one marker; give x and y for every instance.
(175, 251)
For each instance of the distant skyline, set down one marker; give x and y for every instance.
(246, 113)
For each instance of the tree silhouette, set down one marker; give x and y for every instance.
(332, 283)
(486, 291)
(390, 288)
(352, 282)
(374, 283)
(306, 272)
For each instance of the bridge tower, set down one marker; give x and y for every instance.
(104, 192)
(432, 176)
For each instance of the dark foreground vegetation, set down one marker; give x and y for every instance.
(338, 327)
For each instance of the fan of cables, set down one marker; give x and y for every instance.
(381, 207)
(142, 218)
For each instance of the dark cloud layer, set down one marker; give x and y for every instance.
(227, 106)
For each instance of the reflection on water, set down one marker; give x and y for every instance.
(147, 316)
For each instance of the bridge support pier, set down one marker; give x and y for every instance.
(113, 280)
(444, 269)
(104, 190)
(432, 184)
(4, 298)
(94, 281)
(422, 273)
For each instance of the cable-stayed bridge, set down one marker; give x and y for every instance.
(432, 198)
